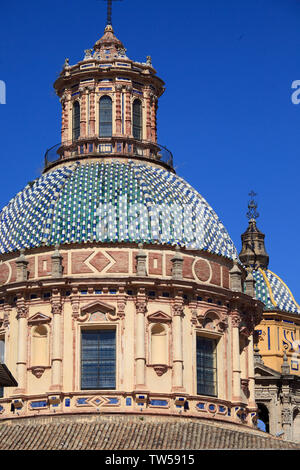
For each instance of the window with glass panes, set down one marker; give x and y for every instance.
(137, 119)
(98, 359)
(76, 120)
(206, 366)
(105, 116)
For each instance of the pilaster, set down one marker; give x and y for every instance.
(56, 360)
(236, 367)
(140, 353)
(22, 315)
(177, 313)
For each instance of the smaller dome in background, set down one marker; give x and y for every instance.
(273, 292)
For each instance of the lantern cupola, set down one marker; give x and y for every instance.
(109, 108)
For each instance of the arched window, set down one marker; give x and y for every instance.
(137, 120)
(158, 344)
(105, 116)
(76, 120)
(263, 418)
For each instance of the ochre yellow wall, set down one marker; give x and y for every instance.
(280, 332)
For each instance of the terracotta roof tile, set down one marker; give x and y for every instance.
(130, 433)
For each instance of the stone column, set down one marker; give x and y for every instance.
(140, 353)
(286, 400)
(153, 118)
(121, 305)
(65, 103)
(177, 309)
(22, 314)
(83, 103)
(118, 109)
(287, 419)
(56, 362)
(251, 374)
(236, 368)
(92, 117)
(148, 115)
(128, 123)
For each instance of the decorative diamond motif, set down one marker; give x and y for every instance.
(112, 202)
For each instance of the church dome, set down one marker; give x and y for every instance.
(112, 202)
(273, 292)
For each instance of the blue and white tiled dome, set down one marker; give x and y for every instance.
(273, 292)
(112, 202)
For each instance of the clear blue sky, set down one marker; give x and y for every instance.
(226, 114)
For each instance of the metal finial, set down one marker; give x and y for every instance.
(109, 10)
(252, 206)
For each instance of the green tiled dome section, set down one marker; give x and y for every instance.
(273, 292)
(112, 202)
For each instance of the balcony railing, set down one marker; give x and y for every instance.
(108, 146)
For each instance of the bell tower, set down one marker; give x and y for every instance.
(253, 254)
(109, 107)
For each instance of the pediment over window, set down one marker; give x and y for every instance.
(160, 317)
(38, 318)
(98, 307)
(97, 312)
(263, 371)
(212, 320)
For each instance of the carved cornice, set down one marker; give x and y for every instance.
(56, 308)
(286, 416)
(75, 302)
(177, 307)
(222, 325)
(22, 309)
(177, 310)
(193, 310)
(121, 302)
(235, 319)
(6, 316)
(38, 371)
(141, 302)
(141, 307)
(160, 369)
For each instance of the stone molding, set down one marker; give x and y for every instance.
(159, 317)
(38, 319)
(98, 262)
